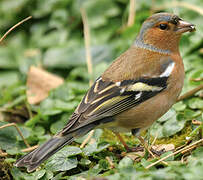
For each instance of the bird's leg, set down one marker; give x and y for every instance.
(128, 149)
(135, 132)
(122, 141)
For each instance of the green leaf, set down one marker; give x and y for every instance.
(97, 134)
(60, 162)
(180, 106)
(65, 106)
(31, 122)
(13, 151)
(171, 113)
(6, 60)
(48, 175)
(57, 126)
(18, 175)
(190, 114)
(197, 73)
(92, 171)
(17, 101)
(9, 136)
(63, 160)
(84, 162)
(195, 103)
(125, 162)
(48, 107)
(10, 160)
(172, 126)
(94, 148)
(156, 130)
(167, 125)
(104, 164)
(59, 176)
(104, 9)
(59, 123)
(63, 92)
(171, 158)
(8, 78)
(71, 151)
(59, 18)
(61, 57)
(39, 130)
(145, 163)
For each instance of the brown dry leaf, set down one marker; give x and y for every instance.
(167, 147)
(39, 83)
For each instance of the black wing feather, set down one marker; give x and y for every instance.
(102, 92)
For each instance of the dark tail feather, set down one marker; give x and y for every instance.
(33, 159)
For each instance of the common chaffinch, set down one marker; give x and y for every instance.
(137, 89)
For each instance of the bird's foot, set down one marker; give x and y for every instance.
(135, 149)
(156, 152)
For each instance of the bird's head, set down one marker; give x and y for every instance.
(163, 31)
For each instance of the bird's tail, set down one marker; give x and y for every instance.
(33, 159)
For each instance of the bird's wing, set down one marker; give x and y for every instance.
(106, 98)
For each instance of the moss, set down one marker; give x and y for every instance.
(109, 136)
(4, 170)
(177, 139)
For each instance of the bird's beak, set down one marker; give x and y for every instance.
(184, 26)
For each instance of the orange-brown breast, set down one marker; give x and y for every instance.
(132, 65)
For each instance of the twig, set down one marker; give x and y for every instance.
(3, 154)
(30, 148)
(196, 79)
(145, 146)
(87, 139)
(110, 162)
(88, 60)
(180, 4)
(148, 148)
(153, 142)
(19, 132)
(190, 93)
(131, 16)
(12, 28)
(189, 149)
(182, 158)
(29, 110)
(152, 7)
(180, 150)
(87, 43)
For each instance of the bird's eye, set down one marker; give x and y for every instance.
(163, 26)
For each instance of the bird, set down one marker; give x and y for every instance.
(139, 87)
